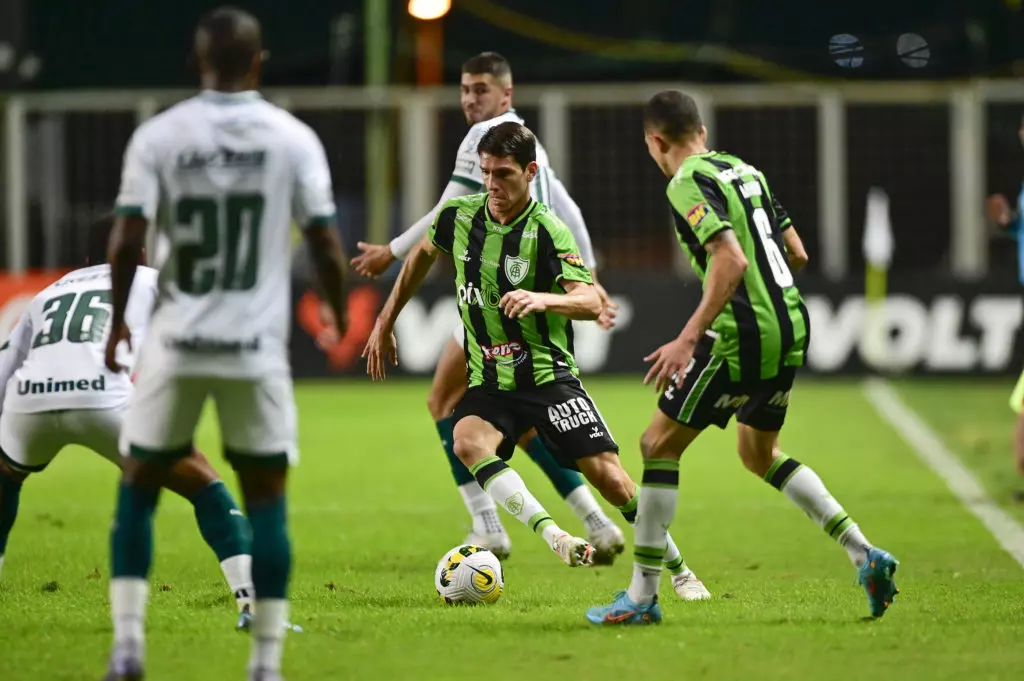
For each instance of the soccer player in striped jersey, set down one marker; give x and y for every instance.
(519, 283)
(486, 102)
(737, 354)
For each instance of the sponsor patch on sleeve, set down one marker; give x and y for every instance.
(697, 213)
(572, 258)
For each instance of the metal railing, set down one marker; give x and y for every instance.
(34, 156)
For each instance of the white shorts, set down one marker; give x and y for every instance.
(31, 441)
(257, 416)
(459, 334)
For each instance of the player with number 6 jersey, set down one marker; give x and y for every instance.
(737, 354)
(765, 326)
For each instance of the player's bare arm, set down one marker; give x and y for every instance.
(580, 301)
(125, 255)
(382, 346)
(329, 262)
(609, 308)
(726, 267)
(795, 251)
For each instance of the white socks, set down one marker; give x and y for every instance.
(128, 599)
(482, 508)
(238, 573)
(268, 630)
(582, 502)
(803, 487)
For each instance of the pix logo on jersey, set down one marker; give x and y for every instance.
(697, 213)
(573, 259)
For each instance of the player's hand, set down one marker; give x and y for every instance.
(381, 348)
(332, 331)
(670, 361)
(373, 260)
(998, 209)
(117, 334)
(519, 303)
(609, 309)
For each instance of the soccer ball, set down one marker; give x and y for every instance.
(469, 575)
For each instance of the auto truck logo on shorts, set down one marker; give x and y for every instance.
(505, 353)
(572, 414)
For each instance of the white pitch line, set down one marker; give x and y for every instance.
(961, 482)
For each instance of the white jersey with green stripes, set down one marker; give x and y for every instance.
(467, 160)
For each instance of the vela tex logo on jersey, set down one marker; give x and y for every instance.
(697, 213)
(573, 259)
(516, 269)
(222, 157)
(505, 353)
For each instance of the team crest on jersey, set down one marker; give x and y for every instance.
(697, 213)
(516, 269)
(573, 259)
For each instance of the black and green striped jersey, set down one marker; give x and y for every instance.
(765, 326)
(535, 252)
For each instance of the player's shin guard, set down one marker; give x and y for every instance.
(508, 489)
(656, 507)
(226, 530)
(131, 555)
(803, 487)
(10, 493)
(271, 570)
(673, 559)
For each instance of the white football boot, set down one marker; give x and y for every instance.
(688, 587)
(572, 550)
(608, 542)
(498, 543)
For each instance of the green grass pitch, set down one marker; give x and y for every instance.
(372, 509)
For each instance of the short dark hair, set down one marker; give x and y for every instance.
(674, 114)
(490, 63)
(234, 41)
(510, 139)
(99, 239)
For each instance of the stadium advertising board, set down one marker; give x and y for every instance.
(947, 329)
(922, 328)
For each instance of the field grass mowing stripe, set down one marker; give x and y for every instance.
(932, 451)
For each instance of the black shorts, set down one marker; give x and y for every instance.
(708, 396)
(565, 417)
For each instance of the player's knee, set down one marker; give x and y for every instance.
(605, 473)
(654, 444)
(440, 404)
(615, 487)
(469, 449)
